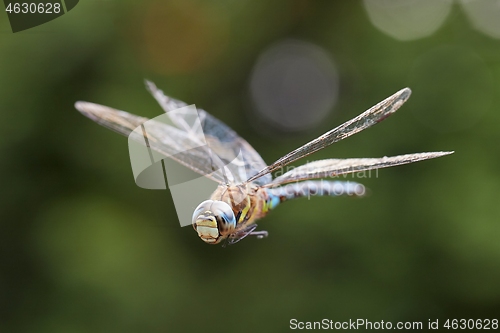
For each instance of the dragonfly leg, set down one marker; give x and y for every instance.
(248, 231)
(259, 234)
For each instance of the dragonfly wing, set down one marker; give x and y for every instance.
(367, 119)
(222, 140)
(334, 167)
(167, 140)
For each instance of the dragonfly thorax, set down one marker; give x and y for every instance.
(214, 221)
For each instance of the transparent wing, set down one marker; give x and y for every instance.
(368, 118)
(163, 138)
(223, 141)
(220, 154)
(335, 167)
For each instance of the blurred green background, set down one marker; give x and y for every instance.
(83, 249)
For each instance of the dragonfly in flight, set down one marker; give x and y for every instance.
(246, 191)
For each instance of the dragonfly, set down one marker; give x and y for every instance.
(246, 192)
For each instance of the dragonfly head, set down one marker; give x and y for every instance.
(214, 221)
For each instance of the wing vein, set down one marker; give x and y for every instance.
(372, 116)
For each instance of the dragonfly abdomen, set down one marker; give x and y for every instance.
(316, 188)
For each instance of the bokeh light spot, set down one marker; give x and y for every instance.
(484, 15)
(294, 85)
(407, 19)
(182, 37)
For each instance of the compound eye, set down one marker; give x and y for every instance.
(225, 217)
(203, 207)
